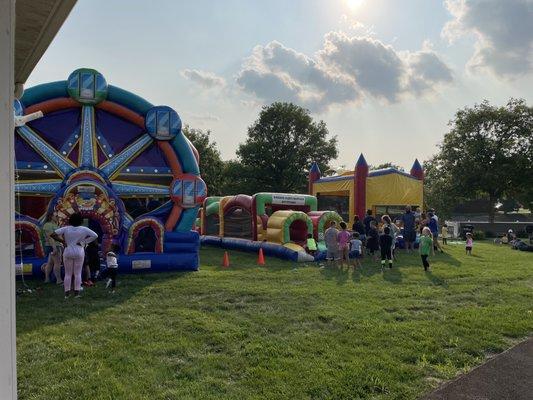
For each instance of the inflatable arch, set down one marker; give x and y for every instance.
(265, 204)
(286, 226)
(30, 233)
(149, 224)
(235, 215)
(209, 218)
(113, 157)
(321, 220)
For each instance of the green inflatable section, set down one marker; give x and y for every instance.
(262, 199)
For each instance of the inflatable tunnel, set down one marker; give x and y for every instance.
(321, 221)
(209, 217)
(264, 205)
(235, 214)
(287, 226)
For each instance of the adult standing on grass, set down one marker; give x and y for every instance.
(75, 237)
(433, 226)
(332, 247)
(409, 229)
(367, 220)
(359, 227)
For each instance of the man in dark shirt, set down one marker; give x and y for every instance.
(385, 243)
(409, 228)
(368, 219)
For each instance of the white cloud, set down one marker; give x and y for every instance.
(203, 78)
(275, 72)
(203, 117)
(345, 70)
(504, 32)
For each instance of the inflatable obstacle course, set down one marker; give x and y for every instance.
(277, 223)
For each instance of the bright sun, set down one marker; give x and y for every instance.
(354, 4)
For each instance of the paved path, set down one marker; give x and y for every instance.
(507, 376)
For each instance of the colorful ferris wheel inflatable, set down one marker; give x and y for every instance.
(122, 163)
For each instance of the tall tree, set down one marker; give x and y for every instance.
(486, 152)
(385, 166)
(211, 164)
(281, 145)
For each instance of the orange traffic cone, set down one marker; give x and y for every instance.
(261, 257)
(225, 260)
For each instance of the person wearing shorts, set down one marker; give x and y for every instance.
(344, 244)
(356, 249)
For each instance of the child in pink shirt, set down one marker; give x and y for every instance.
(469, 243)
(343, 238)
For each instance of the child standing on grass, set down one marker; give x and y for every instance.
(311, 244)
(372, 240)
(444, 233)
(112, 268)
(356, 249)
(385, 243)
(344, 247)
(469, 243)
(332, 247)
(425, 246)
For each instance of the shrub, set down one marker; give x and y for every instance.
(522, 234)
(478, 235)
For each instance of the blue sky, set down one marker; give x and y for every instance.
(385, 75)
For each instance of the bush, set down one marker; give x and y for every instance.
(490, 234)
(522, 234)
(478, 235)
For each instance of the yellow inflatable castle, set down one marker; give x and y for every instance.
(385, 191)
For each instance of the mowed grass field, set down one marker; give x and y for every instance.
(284, 331)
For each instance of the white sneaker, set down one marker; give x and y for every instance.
(108, 284)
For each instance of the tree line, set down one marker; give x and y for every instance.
(487, 153)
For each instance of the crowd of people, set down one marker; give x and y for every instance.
(379, 238)
(76, 248)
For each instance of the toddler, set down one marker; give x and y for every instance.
(425, 246)
(112, 268)
(469, 243)
(311, 244)
(356, 248)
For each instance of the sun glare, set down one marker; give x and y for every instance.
(354, 4)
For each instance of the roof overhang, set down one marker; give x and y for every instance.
(37, 22)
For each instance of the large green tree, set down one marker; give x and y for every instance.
(211, 164)
(487, 152)
(281, 145)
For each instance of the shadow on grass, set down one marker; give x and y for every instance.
(437, 281)
(336, 272)
(392, 275)
(34, 309)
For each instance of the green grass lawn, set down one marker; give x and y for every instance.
(286, 331)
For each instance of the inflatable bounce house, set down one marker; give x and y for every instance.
(121, 162)
(279, 223)
(385, 191)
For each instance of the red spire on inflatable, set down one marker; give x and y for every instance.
(314, 175)
(359, 176)
(417, 171)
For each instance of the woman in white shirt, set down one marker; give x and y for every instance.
(74, 237)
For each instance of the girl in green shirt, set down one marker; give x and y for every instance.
(424, 247)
